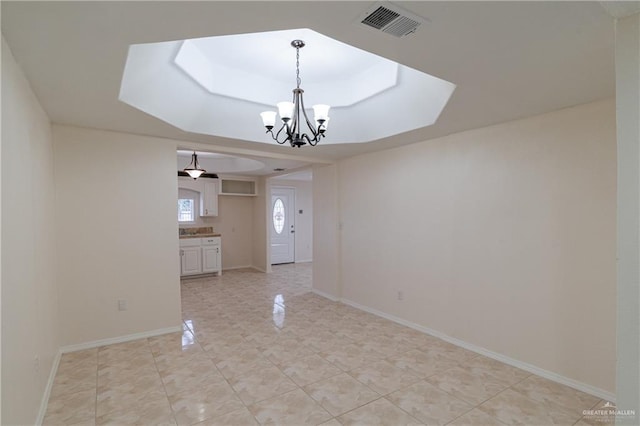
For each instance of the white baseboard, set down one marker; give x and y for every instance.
(258, 269)
(120, 339)
(326, 295)
(238, 267)
(592, 390)
(47, 391)
(304, 261)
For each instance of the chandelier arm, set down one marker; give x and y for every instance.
(294, 128)
(277, 136)
(289, 129)
(271, 133)
(299, 102)
(315, 140)
(309, 141)
(309, 125)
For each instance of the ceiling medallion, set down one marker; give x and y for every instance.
(293, 113)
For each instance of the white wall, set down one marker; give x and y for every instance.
(117, 233)
(235, 223)
(30, 325)
(304, 220)
(261, 252)
(503, 237)
(628, 131)
(326, 243)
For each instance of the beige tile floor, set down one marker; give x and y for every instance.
(263, 349)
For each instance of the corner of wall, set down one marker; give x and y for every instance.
(29, 286)
(326, 232)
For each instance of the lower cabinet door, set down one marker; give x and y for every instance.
(211, 258)
(190, 261)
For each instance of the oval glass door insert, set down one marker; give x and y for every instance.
(278, 216)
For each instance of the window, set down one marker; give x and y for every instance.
(186, 210)
(278, 216)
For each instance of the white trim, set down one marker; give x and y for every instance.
(592, 390)
(47, 391)
(326, 295)
(304, 261)
(259, 269)
(121, 339)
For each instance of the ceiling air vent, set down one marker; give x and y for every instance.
(391, 19)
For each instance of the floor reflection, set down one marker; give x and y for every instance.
(278, 310)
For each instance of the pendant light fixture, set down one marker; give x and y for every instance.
(293, 115)
(193, 169)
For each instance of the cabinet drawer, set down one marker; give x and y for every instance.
(211, 241)
(191, 242)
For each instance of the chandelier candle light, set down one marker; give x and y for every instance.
(292, 114)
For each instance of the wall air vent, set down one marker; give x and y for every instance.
(391, 19)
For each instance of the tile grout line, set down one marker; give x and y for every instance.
(164, 387)
(204, 305)
(477, 406)
(226, 381)
(95, 417)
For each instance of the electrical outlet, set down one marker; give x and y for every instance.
(122, 305)
(400, 295)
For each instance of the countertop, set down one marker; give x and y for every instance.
(200, 236)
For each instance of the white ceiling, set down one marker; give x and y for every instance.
(219, 163)
(260, 67)
(245, 165)
(219, 86)
(508, 59)
(303, 175)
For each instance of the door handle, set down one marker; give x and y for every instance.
(293, 232)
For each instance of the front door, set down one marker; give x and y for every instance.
(282, 225)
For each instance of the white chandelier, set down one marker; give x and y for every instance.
(293, 114)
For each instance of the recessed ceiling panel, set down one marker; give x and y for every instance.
(219, 85)
(261, 68)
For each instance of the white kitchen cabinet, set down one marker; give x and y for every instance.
(211, 255)
(200, 256)
(209, 198)
(190, 261)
